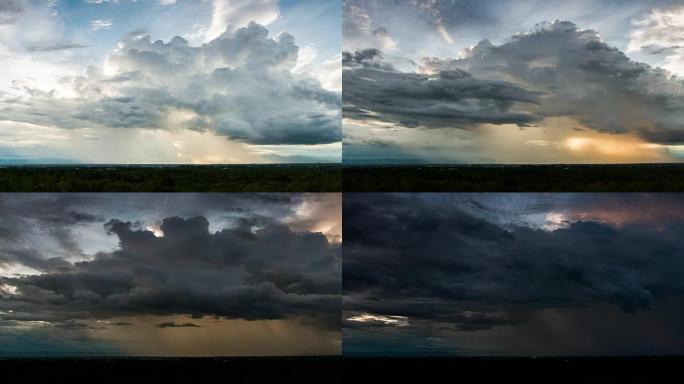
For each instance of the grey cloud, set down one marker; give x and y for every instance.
(450, 98)
(222, 255)
(269, 273)
(556, 70)
(584, 78)
(658, 50)
(74, 217)
(60, 46)
(177, 325)
(124, 112)
(9, 11)
(406, 256)
(364, 57)
(59, 222)
(72, 325)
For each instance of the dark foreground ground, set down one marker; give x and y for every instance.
(515, 178)
(181, 370)
(515, 370)
(173, 178)
(349, 370)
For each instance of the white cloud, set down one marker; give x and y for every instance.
(330, 74)
(661, 32)
(361, 32)
(27, 38)
(99, 24)
(239, 13)
(444, 33)
(25, 135)
(240, 85)
(328, 71)
(395, 321)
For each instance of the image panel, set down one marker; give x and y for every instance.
(513, 88)
(157, 84)
(493, 280)
(169, 275)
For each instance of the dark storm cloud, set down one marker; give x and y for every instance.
(362, 57)
(584, 78)
(259, 260)
(73, 325)
(450, 98)
(405, 256)
(269, 273)
(177, 325)
(73, 209)
(59, 221)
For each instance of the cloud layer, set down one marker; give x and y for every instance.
(449, 98)
(254, 266)
(465, 263)
(503, 82)
(558, 70)
(239, 85)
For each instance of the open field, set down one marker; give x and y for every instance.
(515, 178)
(172, 178)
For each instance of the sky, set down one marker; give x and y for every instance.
(170, 81)
(170, 274)
(503, 81)
(513, 274)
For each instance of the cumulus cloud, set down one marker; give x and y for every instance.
(254, 268)
(233, 14)
(586, 79)
(432, 260)
(556, 70)
(239, 85)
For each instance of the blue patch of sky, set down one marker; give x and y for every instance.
(315, 23)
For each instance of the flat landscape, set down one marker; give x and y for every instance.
(332, 369)
(232, 370)
(172, 178)
(515, 178)
(573, 370)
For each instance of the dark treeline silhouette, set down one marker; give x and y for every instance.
(180, 178)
